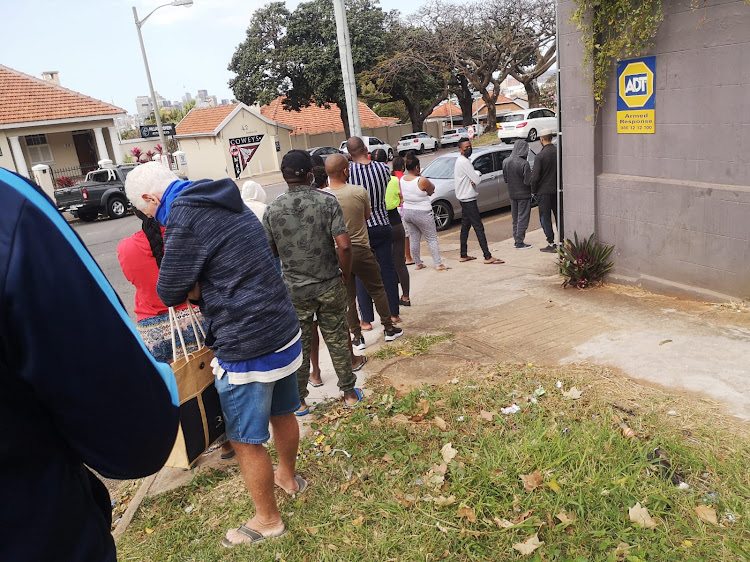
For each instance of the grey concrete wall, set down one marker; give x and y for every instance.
(676, 204)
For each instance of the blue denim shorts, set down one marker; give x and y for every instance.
(248, 407)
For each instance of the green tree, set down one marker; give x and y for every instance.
(414, 71)
(295, 54)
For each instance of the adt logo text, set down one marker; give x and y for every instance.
(636, 85)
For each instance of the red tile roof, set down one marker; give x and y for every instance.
(445, 110)
(501, 100)
(24, 98)
(313, 119)
(204, 120)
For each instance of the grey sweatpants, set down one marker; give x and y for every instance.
(520, 210)
(422, 223)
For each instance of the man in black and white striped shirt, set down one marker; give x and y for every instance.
(374, 177)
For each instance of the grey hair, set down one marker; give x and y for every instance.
(151, 178)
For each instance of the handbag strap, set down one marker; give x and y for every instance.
(176, 328)
(196, 326)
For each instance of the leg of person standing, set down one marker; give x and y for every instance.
(471, 208)
(415, 237)
(523, 207)
(545, 212)
(430, 233)
(364, 300)
(381, 241)
(465, 228)
(399, 262)
(514, 216)
(305, 312)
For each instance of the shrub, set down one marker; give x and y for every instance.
(64, 181)
(583, 263)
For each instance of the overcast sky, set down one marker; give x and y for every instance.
(94, 44)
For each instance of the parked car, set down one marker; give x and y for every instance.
(103, 191)
(452, 136)
(525, 124)
(372, 143)
(420, 142)
(493, 191)
(323, 151)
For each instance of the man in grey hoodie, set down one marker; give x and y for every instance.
(517, 174)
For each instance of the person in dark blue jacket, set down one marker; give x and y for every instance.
(215, 249)
(77, 383)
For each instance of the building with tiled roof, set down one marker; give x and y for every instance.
(445, 110)
(230, 141)
(313, 120)
(43, 124)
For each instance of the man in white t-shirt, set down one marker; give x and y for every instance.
(467, 179)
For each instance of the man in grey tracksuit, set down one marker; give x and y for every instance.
(517, 174)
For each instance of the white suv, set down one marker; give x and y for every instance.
(525, 124)
(452, 136)
(372, 143)
(420, 142)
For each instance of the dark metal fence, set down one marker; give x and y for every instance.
(65, 177)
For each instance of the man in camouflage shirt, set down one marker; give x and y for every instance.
(302, 225)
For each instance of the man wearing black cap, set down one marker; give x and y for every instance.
(302, 225)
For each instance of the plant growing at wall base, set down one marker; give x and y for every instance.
(612, 30)
(64, 181)
(583, 263)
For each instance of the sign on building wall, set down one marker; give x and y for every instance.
(150, 131)
(242, 149)
(636, 95)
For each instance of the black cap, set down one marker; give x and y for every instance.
(297, 162)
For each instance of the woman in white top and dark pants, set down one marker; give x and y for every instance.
(418, 215)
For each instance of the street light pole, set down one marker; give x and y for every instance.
(347, 68)
(138, 24)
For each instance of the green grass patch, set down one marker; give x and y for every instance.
(408, 347)
(400, 496)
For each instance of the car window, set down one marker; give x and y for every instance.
(440, 168)
(511, 117)
(498, 158)
(462, 130)
(100, 176)
(548, 113)
(450, 132)
(483, 164)
(407, 137)
(535, 115)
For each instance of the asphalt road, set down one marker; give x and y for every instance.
(102, 236)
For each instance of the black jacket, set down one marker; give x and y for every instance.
(517, 172)
(544, 174)
(78, 388)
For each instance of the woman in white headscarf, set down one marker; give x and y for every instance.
(254, 197)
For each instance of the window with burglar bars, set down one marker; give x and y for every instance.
(38, 149)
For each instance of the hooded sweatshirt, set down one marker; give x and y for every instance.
(213, 239)
(254, 197)
(517, 172)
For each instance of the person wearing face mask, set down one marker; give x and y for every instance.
(467, 179)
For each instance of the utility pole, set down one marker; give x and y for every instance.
(347, 68)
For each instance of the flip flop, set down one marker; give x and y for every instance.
(254, 536)
(300, 413)
(467, 258)
(359, 367)
(315, 384)
(359, 399)
(403, 302)
(495, 261)
(229, 455)
(301, 484)
(409, 263)
(420, 266)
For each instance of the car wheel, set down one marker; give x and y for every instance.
(532, 135)
(390, 154)
(508, 141)
(88, 217)
(116, 208)
(443, 212)
(421, 149)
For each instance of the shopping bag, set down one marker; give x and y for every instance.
(201, 419)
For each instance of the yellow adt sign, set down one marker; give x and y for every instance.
(636, 95)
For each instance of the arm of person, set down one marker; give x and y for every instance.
(536, 173)
(426, 185)
(184, 259)
(366, 203)
(110, 401)
(505, 174)
(526, 174)
(468, 169)
(269, 233)
(340, 234)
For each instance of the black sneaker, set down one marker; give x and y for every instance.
(359, 343)
(552, 249)
(393, 333)
(523, 246)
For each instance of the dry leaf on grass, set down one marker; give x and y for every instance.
(439, 468)
(467, 512)
(573, 393)
(566, 517)
(346, 485)
(442, 501)
(453, 381)
(312, 530)
(641, 517)
(440, 423)
(387, 458)
(424, 406)
(333, 547)
(531, 481)
(622, 550)
(468, 532)
(706, 514)
(149, 530)
(358, 521)
(448, 452)
(489, 416)
(522, 517)
(400, 418)
(529, 545)
(502, 523)
(375, 421)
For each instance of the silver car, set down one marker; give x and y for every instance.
(493, 191)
